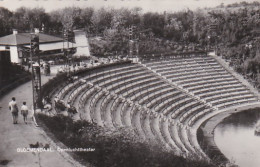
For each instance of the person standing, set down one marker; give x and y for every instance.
(31, 116)
(14, 110)
(69, 109)
(24, 112)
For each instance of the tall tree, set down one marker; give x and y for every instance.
(5, 21)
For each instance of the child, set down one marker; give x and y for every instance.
(24, 112)
(14, 110)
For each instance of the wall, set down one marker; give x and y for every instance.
(14, 55)
(2, 48)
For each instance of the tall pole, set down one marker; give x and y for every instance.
(31, 56)
(36, 72)
(130, 41)
(66, 37)
(68, 52)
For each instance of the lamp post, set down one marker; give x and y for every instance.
(68, 50)
(36, 72)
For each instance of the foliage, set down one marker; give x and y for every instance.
(234, 35)
(113, 147)
(10, 73)
(233, 26)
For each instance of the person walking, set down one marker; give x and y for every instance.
(14, 110)
(31, 116)
(24, 112)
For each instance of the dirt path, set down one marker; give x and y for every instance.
(14, 136)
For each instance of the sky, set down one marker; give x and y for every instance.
(146, 5)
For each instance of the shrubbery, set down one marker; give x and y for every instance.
(118, 147)
(11, 76)
(9, 73)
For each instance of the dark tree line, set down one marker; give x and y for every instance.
(156, 32)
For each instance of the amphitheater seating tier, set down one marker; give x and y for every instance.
(202, 76)
(160, 99)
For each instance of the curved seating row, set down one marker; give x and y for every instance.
(134, 98)
(203, 77)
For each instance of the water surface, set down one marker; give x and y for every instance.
(236, 139)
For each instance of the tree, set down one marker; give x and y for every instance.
(26, 19)
(69, 16)
(154, 21)
(101, 20)
(55, 25)
(84, 20)
(5, 21)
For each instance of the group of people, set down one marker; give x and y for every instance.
(61, 106)
(13, 107)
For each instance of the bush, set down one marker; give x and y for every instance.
(113, 148)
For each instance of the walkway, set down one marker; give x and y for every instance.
(21, 135)
(82, 43)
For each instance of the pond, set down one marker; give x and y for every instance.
(235, 137)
